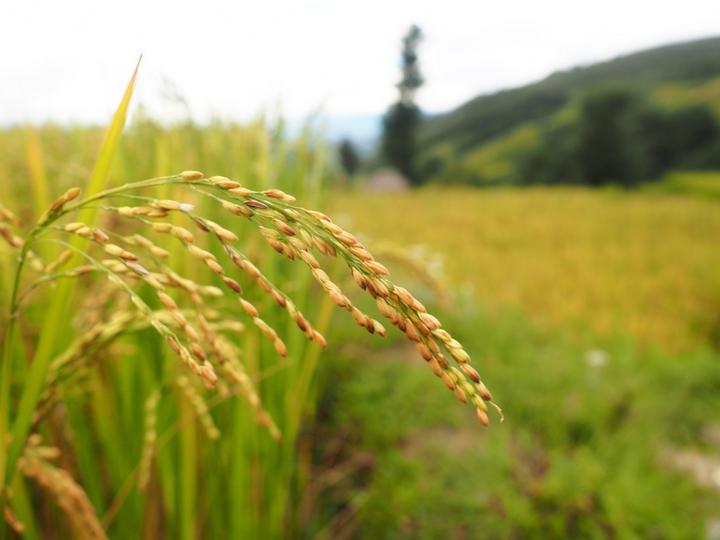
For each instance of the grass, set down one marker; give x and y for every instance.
(242, 484)
(599, 261)
(593, 427)
(678, 95)
(704, 184)
(594, 316)
(102, 439)
(53, 324)
(147, 287)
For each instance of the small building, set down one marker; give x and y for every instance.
(387, 180)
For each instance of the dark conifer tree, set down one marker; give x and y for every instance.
(401, 122)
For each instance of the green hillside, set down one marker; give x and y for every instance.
(490, 116)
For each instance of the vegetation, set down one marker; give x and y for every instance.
(158, 292)
(243, 483)
(628, 89)
(593, 314)
(618, 139)
(401, 123)
(349, 159)
(605, 410)
(699, 184)
(605, 261)
(486, 117)
(602, 440)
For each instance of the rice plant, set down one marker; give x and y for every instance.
(141, 290)
(597, 261)
(159, 359)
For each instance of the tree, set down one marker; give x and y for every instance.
(694, 134)
(608, 150)
(349, 158)
(618, 137)
(400, 124)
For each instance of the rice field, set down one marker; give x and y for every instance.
(640, 264)
(594, 316)
(114, 433)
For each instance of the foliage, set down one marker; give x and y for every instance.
(401, 122)
(398, 144)
(618, 138)
(675, 95)
(243, 483)
(608, 136)
(590, 420)
(597, 427)
(585, 452)
(488, 116)
(157, 292)
(607, 260)
(349, 159)
(700, 184)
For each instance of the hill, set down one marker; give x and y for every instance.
(487, 117)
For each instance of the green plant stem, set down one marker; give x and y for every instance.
(36, 376)
(5, 378)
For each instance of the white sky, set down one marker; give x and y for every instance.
(69, 60)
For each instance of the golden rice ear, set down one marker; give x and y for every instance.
(11, 519)
(191, 175)
(12, 239)
(200, 406)
(292, 231)
(68, 494)
(149, 440)
(6, 216)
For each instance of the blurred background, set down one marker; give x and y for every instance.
(546, 176)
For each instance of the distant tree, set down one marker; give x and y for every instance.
(695, 135)
(606, 145)
(349, 158)
(626, 140)
(400, 124)
(554, 160)
(622, 139)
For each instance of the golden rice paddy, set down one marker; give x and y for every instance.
(642, 264)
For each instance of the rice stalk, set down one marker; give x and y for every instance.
(53, 325)
(129, 252)
(149, 440)
(69, 495)
(292, 231)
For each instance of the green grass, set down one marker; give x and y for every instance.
(700, 184)
(596, 413)
(581, 454)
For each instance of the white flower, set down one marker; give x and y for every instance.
(596, 358)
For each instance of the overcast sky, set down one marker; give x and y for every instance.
(69, 60)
